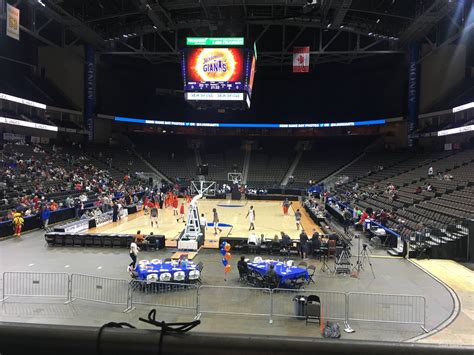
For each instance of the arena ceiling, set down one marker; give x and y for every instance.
(336, 30)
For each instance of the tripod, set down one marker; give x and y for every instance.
(325, 267)
(362, 259)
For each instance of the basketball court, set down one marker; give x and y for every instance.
(269, 221)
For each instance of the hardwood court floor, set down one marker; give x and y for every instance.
(461, 280)
(269, 220)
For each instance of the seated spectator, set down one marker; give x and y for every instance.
(271, 277)
(242, 267)
(418, 190)
(285, 240)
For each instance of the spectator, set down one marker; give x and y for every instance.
(271, 276)
(430, 171)
(45, 214)
(303, 245)
(242, 267)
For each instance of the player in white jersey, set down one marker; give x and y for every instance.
(251, 216)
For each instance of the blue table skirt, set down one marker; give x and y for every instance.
(284, 272)
(145, 270)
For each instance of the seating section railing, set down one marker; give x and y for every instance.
(201, 299)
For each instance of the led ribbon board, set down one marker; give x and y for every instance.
(22, 101)
(250, 125)
(14, 122)
(214, 41)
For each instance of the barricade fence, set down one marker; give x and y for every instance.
(238, 300)
(163, 294)
(333, 304)
(35, 284)
(99, 289)
(375, 307)
(250, 301)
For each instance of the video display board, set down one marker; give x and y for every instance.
(214, 69)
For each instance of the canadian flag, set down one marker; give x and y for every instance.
(300, 59)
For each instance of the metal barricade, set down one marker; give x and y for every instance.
(238, 300)
(163, 294)
(35, 284)
(375, 307)
(99, 289)
(333, 304)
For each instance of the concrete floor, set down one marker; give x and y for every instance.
(30, 253)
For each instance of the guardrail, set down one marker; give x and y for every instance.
(163, 294)
(333, 304)
(99, 289)
(248, 301)
(376, 307)
(35, 284)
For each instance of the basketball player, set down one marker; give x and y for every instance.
(298, 219)
(175, 205)
(286, 205)
(251, 216)
(181, 213)
(154, 215)
(215, 220)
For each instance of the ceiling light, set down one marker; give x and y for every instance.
(125, 36)
(329, 25)
(378, 20)
(155, 27)
(41, 3)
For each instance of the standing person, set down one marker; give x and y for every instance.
(215, 220)
(154, 215)
(181, 213)
(45, 214)
(134, 249)
(115, 210)
(286, 205)
(203, 221)
(251, 216)
(303, 244)
(175, 205)
(298, 219)
(160, 199)
(17, 222)
(347, 220)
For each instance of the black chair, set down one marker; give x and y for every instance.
(97, 240)
(107, 241)
(69, 240)
(297, 283)
(117, 241)
(303, 264)
(311, 270)
(276, 247)
(78, 240)
(313, 308)
(59, 239)
(88, 240)
(270, 282)
(200, 266)
(152, 243)
(253, 248)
